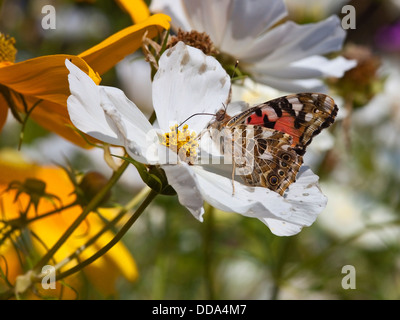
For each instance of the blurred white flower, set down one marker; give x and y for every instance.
(254, 93)
(186, 83)
(348, 214)
(286, 56)
(385, 105)
(244, 278)
(382, 115)
(395, 4)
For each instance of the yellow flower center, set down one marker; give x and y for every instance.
(7, 48)
(183, 142)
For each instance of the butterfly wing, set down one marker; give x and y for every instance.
(264, 157)
(302, 116)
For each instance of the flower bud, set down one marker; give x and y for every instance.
(92, 182)
(361, 83)
(35, 186)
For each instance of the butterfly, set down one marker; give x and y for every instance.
(267, 142)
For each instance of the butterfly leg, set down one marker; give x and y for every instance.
(233, 177)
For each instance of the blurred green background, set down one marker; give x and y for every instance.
(232, 257)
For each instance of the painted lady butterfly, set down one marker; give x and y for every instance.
(274, 135)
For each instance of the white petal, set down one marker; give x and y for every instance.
(292, 42)
(247, 21)
(209, 16)
(134, 119)
(106, 114)
(175, 10)
(290, 85)
(183, 179)
(307, 202)
(134, 75)
(298, 76)
(128, 123)
(217, 190)
(283, 215)
(329, 68)
(186, 83)
(84, 106)
(253, 92)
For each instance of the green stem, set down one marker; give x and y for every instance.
(89, 208)
(114, 241)
(277, 271)
(22, 221)
(8, 294)
(28, 113)
(208, 251)
(7, 234)
(44, 215)
(105, 228)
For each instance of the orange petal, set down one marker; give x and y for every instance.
(44, 77)
(3, 111)
(117, 261)
(137, 9)
(109, 52)
(55, 118)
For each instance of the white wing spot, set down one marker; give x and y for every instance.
(308, 117)
(293, 100)
(297, 106)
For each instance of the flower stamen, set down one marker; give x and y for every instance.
(7, 48)
(183, 142)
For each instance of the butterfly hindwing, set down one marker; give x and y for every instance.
(264, 157)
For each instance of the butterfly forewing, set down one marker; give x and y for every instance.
(301, 115)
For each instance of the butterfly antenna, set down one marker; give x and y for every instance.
(234, 69)
(196, 114)
(225, 107)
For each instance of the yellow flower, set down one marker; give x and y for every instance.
(45, 78)
(102, 273)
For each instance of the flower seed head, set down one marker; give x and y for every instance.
(195, 39)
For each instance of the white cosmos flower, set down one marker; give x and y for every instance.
(188, 82)
(287, 56)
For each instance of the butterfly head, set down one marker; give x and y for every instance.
(221, 119)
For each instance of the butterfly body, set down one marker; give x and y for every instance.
(267, 142)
